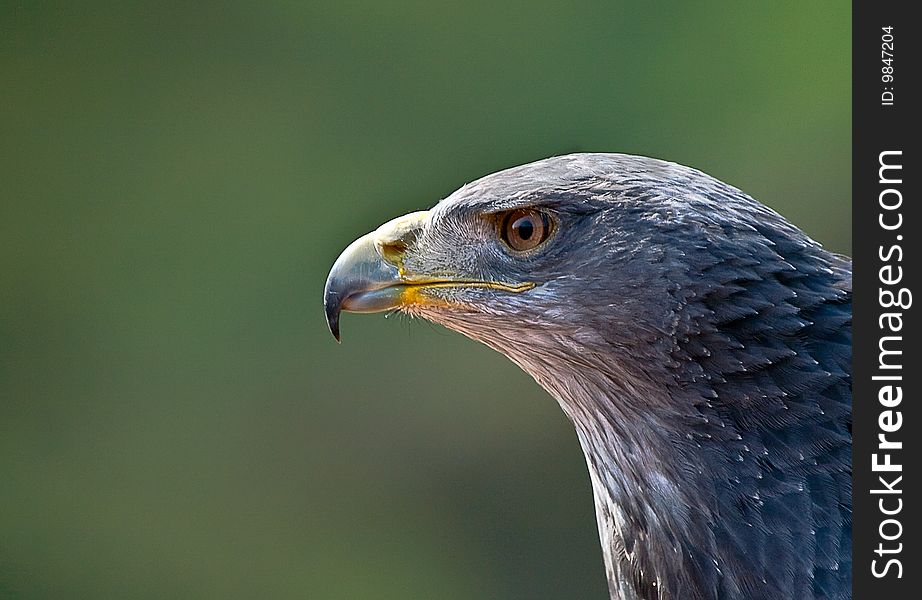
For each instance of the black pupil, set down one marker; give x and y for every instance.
(524, 228)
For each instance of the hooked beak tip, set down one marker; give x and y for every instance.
(334, 328)
(332, 307)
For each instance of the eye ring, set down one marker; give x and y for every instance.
(525, 229)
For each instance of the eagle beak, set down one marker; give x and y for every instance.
(368, 276)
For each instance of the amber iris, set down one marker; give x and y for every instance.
(525, 229)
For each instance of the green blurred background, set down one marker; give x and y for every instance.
(176, 178)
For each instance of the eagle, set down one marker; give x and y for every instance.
(699, 343)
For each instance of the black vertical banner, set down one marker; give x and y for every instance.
(887, 438)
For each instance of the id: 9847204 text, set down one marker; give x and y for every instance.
(886, 70)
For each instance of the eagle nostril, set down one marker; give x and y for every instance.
(393, 251)
(395, 238)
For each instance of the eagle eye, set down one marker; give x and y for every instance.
(525, 229)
